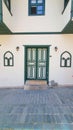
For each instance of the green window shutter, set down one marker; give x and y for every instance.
(65, 3)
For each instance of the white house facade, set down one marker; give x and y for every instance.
(36, 42)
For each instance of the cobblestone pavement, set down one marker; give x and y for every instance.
(50, 109)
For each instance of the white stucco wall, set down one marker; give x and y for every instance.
(14, 76)
(52, 21)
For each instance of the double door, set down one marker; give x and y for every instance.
(36, 63)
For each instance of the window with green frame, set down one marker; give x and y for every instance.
(36, 7)
(8, 4)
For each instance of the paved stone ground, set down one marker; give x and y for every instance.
(50, 109)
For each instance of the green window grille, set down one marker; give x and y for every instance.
(65, 59)
(8, 59)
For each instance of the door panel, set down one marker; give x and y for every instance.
(36, 63)
(42, 60)
(31, 63)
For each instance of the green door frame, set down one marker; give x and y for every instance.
(25, 59)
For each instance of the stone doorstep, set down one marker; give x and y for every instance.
(36, 82)
(35, 87)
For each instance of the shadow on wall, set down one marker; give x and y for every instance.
(53, 83)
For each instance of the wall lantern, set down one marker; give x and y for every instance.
(56, 48)
(17, 48)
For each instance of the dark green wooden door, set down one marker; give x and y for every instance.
(36, 63)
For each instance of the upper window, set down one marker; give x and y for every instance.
(8, 4)
(36, 7)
